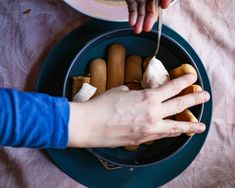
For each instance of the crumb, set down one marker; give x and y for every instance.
(27, 11)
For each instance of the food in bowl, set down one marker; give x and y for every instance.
(98, 69)
(186, 115)
(132, 71)
(172, 53)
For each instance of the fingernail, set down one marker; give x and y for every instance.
(206, 96)
(137, 31)
(193, 77)
(201, 128)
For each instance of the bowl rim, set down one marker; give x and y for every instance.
(106, 35)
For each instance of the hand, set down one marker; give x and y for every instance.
(121, 117)
(143, 13)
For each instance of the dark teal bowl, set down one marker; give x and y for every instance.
(171, 54)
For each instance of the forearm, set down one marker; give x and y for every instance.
(33, 120)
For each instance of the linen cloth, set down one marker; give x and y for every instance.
(29, 28)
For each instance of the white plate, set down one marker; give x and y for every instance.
(109, 10)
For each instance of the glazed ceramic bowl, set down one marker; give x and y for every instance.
(171, 54)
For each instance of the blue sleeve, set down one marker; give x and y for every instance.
(33, 120)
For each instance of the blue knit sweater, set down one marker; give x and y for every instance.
(33, 120)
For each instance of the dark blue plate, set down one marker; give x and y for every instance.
(83, 166)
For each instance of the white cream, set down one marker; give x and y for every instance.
(85, 93)
(155, 74)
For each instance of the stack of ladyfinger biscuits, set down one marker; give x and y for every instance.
(120, 70)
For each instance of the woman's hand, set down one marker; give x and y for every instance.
(143, 13)
(121, 117)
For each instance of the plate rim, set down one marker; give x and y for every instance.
(201, 138)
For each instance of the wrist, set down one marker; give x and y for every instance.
(76, 125)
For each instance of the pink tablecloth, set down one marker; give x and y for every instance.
(28, 30)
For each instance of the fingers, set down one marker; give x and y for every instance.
(151, 15)
(157, 137)
(179, 104)
(169, 127)
(175, 86)
(143, 13)
(141, 16)
(174, 127)
(132, 9)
